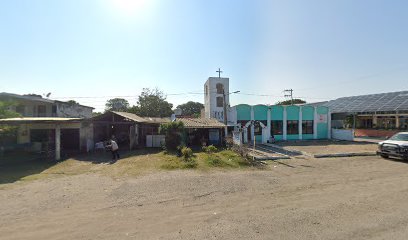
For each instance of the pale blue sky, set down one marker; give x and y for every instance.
(91, 48)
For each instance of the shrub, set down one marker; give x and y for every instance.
(210, 149)
(186, 152)
(173, 131)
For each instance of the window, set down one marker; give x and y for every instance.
(293, 127)
(42, 110)
(276, 127)
(220, 88)
(206, 90)
(307, 127)
(220, 102)
(54, 110)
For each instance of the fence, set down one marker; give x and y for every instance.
(342, 134)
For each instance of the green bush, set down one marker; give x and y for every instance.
(215, 161)
(186, 153)
(210, 149)
(173, 132)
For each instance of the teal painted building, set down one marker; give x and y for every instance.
(265, 123)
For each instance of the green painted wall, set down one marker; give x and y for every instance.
(292, 112)
(322, 127)
(261, 112)
(292, 136)
(307, 136)
(307, 113)
(277, 113)
(322, 110)
(258, 138)
(278, 137)
(243, 112)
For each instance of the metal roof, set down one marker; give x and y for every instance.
(393, 101)
(130, 116)
(201, 123)
(157, 120)
(38, 120)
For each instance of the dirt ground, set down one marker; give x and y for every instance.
(327, 146)
(341, 198)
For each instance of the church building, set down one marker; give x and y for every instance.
(264, 123)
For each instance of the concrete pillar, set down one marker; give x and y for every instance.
(329, 125)
(300, 123)
(285, 124)
(397, 121)
(315, 123)
(268, 124)
(57, 142)
(375, 122)
(252, 127)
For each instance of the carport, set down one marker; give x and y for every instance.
(54, 134)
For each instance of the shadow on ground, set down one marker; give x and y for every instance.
(14, 167)
(320, 143)
(106, 156)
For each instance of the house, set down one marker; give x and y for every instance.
(48, 125)
(133, 131)
(36, 106)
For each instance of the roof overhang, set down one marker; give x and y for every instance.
(24, 120)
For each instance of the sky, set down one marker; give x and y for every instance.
(94, 50)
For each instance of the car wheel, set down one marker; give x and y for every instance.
(384, 156)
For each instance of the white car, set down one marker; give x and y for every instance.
(395, 146)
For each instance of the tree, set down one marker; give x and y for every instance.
(5, 112)
(289, 102)
(7, 133)
(117, 104)
(72, 102)
(173, 132)
(191, 108)
(152, 103)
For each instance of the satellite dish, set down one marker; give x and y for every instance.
(48, 95)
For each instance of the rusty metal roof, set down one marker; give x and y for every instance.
(157, 120)
(201, 123)
(130, 116)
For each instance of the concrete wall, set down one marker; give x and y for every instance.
(30, 108)
(73, 111)
(343, 134)
(210, 97)
(319, 115)
(85, 133)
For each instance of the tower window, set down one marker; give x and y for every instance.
(220, 88)
(220, 102)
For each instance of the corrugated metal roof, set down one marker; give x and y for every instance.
(157, 120)
(201, 123)
(130, 116)
(393, 101)
(37, 119)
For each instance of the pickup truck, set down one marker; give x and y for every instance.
(396, 146)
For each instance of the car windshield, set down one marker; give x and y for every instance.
(400, 137)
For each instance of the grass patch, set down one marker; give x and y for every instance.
(132, 163)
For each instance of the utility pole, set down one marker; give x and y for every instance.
(289, 93)
(225, 107)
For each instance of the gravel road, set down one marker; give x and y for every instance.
(342, 198)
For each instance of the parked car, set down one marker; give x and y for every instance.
(396, 146)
